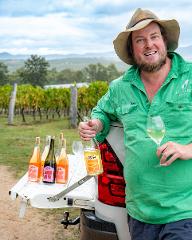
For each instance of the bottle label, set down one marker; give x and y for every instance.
(61, 174)
(93, 162)
(48, 174)
(33, 173)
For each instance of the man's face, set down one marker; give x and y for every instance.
(149, 49)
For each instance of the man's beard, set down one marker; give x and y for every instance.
(154, 67)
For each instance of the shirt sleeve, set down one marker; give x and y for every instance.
(105, 111)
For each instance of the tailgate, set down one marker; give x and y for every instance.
(37, 194)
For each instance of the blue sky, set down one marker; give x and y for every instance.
(78, 26)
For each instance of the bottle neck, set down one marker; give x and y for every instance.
(63, 150)
(89, 144)
(51, 149)
(63, 153)
(48, 140)
(36, 155)
(63, 143)
(52, 145)
(37, 141)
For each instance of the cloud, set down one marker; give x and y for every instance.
(78, 25)
(21, 8)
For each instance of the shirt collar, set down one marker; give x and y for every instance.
(178, 66)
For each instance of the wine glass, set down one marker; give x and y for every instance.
(156, 129)
(77, 147)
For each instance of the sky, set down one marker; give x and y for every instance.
(78, 26)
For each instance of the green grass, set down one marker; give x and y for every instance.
(17, 141)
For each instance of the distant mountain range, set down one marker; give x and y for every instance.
(184, 51)
(106, 55)
(60, 62)
(78, 61)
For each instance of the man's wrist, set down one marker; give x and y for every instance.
(98, 126)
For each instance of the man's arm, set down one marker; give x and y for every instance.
(101, 116)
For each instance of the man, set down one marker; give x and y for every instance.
(159, 83)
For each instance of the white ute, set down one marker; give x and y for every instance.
(102, 198)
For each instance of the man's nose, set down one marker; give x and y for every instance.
(148, 42)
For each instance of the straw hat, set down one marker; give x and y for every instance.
(140, 19)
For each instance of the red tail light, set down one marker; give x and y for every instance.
(111, 184)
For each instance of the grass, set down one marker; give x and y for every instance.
(17, 142)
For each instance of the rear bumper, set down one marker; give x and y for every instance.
(94, 228)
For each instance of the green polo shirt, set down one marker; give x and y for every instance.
(153, 195)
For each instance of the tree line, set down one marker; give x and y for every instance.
(36, 72)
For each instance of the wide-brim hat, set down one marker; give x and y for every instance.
(140, 19)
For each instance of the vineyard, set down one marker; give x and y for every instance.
(52, 102)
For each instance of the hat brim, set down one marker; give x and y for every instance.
(171, 28)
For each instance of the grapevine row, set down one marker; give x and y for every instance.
(51, 102)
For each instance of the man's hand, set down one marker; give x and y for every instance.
(88, 130)
(171, 151)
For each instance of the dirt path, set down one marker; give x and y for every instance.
(35, 224)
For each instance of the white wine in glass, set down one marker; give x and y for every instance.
(156, 129)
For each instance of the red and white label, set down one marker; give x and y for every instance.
(60, 174)
(48, 174)
(33, 173)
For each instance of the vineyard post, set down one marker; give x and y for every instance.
(73, 107)
(12, 104)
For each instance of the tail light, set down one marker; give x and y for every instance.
(111, 184)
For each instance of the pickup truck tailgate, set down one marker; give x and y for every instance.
(37, 194)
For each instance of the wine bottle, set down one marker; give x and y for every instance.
(49, 169)
(45, 153)
(92, 155)
(35, 163)
(62, 163)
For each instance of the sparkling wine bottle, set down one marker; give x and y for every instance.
(49, 170)
(62, 163)
(35, 163)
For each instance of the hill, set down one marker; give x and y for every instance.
(72, 63)
(77, 61)
(60, 62)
